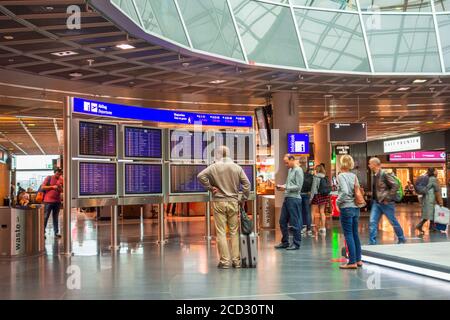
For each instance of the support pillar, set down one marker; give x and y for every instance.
(285, 120)
(67, 175)
(322, 147)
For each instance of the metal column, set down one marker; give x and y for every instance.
(161, 226)
(67, 159)
(208, 221)
(114, 235)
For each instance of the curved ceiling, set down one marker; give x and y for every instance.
(334, 36)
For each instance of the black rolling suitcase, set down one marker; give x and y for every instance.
(248, 243)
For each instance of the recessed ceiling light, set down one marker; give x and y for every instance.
(11, 60)
(217, 81)
(403, 89)
(430, 122)
(328, 95)
(419, 81)
(125, 46)
(76, 74)
(8, 37)
(31, 125)
(185, 64)
(49, 8)
(64, 53)
(294, 88)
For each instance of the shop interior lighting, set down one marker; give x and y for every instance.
(125, 46)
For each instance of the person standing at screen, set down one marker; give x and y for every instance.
(53, 187)
(291, 212)
(223, 179)
(384, 192)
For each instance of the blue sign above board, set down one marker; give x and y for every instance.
(298, 143)
(106, 109)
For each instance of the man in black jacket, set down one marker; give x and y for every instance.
(384, 192)
(306, 193)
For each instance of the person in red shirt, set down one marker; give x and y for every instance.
(53, 187)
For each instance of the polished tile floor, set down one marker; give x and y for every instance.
(185, 268)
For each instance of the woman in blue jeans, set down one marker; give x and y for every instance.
(349, 215)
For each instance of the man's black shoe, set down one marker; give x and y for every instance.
(281, 246)
(293, 247)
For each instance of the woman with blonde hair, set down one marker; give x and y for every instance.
(320, 195)
(349, 211)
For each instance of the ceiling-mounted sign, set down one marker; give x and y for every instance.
(111, 110)
(406, 144)
(348, 132)
(298, 143)
(342, 150)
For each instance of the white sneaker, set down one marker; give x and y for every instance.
(310, 233)
(304, 230)
(322, 231)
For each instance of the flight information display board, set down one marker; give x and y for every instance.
(249, 171)
(143, 143)
(241, 145)
(143, 178)
(188, 145)
(97, 139)
(97, 179)
(183, 179)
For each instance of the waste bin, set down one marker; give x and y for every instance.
(21, 232)
(266, 211)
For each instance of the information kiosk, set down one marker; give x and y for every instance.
(108, 163)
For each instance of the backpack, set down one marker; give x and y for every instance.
(41, 192)
(307, 183)
(324, 187)
(400, 193)
(421, 184)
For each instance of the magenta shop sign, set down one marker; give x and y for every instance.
(419, 156)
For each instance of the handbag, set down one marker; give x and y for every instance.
(359, 195)
(246, 223)
(441, 215)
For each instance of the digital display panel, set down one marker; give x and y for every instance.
(183, 179)
(188, 145)
(298, 143)
(97, 139)
(145, 143)
(240, 144)
(248, 169)
(348, 132)
(143, 178)
(97, 179)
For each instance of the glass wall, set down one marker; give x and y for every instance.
(354, 36)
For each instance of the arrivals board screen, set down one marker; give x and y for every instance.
(143, 143)
(348, 132)
(97, 139)
(248, 169)
(97, 179)
(188, 145)
(143, 178)
(183, 179)
(240, 144)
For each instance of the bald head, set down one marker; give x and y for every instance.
(222, 152)
(375, 164)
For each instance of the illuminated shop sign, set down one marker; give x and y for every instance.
(419, 156)
(111, 110)
(413, 143)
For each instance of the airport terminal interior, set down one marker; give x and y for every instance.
(112, 110)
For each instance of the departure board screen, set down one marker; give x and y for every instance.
(240, 144)
(97, 139)
(188, 145)
(97, 179)
(183, 179)
(248, 169)
(143, 178)
(142, 142)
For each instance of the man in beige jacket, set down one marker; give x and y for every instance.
(224, 179)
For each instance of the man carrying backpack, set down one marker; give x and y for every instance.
(384, 195)
(53, 188)
(306, 193)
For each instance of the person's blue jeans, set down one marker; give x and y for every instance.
(306, 211)
(375, 214)
(291, 215)
(349, 221)
(52, 208)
